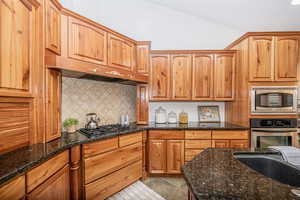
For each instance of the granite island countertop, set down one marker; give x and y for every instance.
(216, 174)
(23, 159)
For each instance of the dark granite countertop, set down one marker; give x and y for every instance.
(216, 174)
(198, 126)
(21, 160)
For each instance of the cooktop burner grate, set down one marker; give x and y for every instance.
(102, 129)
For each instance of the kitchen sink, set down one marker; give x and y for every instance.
(272, 166)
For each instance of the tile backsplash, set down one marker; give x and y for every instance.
(108, 100)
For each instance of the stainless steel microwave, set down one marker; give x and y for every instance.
(273, 100)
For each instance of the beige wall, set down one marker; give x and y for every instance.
(108, 100)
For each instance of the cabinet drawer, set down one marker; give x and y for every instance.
(130, 139)
(239, 144)
(164, 135)
(113, 183)
(102, 146)
(41, 173)
(230, 135)
(198, 135)
(15, 189)
(197, 144)
(191, 153)
(103, 164)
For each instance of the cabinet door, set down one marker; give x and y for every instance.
(202, 79)
(221, 143)
(13, 190)
(86, 42)
(56, 187)
(142, 104)
(53, 26)
(287, 57)
(53, 82)
(120, 53)
(17, 49)
(160, 77)
(224, 77)
(157, 156)
(143, 58)
(239, 144)
(261, 58)
(175, 156)
(181, 66)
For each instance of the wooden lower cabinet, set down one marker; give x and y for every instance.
(166, 156)
(221, 143)
(175, 156)
(239, 143)
(157, 156)
(112, 183)
(57, 187)
(14, 190)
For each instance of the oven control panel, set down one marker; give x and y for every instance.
(273, 123)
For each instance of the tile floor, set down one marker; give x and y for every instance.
(169, 188)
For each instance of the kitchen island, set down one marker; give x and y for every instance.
(217, 174)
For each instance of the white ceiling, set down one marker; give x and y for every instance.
(242, 15)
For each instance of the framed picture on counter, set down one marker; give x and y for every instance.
(208, 113)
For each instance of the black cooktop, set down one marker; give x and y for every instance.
(103, 129)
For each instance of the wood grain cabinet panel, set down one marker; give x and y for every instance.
(261, 58)
(142, 104)
(15, 123)
(191, 153)
(57, 187)
(287, 59)
(166, 134)
(103, 164)
(101, 146)
(202, 77)
(224, 76)
(86, 42)
(121, 53)
(125, 140)
(197, 144)
(13, 190)
(143, 58)
(181, 66)
(239, 143)
(230, 134)
(17, 47)
(175, 156)
(157, 156)
(41, 173)
(198, 135)
(113, 183)
(53, 106)
(53, 26)
(160, 77)
(221, 143)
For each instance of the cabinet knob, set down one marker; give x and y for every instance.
(94, 70)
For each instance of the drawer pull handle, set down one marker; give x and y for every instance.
(94, 70)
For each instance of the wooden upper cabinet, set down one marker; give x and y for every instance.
(181, 66)
(202, 77)
(142, 104)
(87, 42)
(224, 76)
(17, 46)
(121, 53)
(287, 59)
(53, 26)
(261, 58)
(157, 156)
(175, 156)
(53, 108)
(160, 77)
(143, 57)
